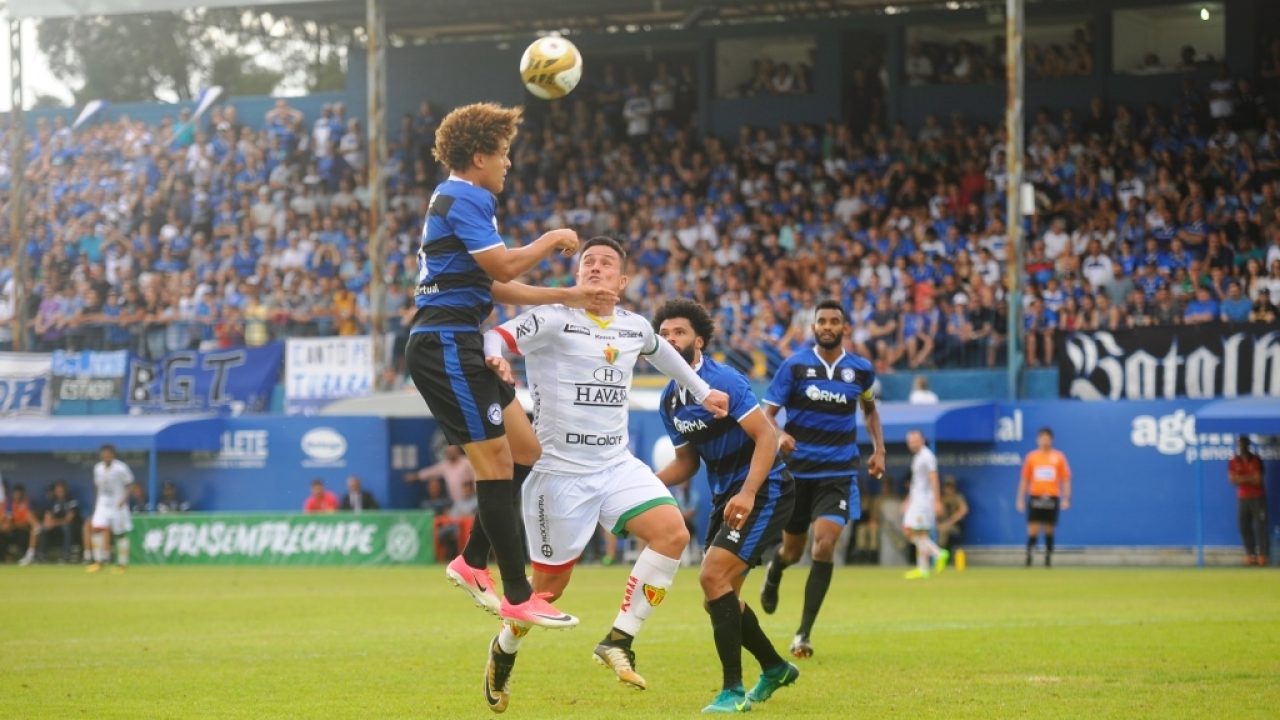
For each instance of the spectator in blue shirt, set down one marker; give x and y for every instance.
(1201, 310)
(1236, 307)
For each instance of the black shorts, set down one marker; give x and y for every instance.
(464, 395)
(833, 498)
(763, 528)
(1043, 509)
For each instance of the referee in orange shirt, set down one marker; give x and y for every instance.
(1047, 478)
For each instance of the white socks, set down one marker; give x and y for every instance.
(99, 547)
(122, 550)
(650, 580)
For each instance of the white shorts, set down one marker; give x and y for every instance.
(919, 516)
(117, 519)
(561, 511)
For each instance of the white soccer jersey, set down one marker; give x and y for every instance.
(923, 463)
(112, 483)
(580, 382)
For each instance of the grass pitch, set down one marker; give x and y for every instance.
(400, 643)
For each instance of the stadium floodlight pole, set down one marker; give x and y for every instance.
(1013, 186)
(376, 60)
(17, 187)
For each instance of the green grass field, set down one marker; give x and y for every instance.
(401, 643)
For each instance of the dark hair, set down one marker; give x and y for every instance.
(608, 242)
(831, 304)
(703, 326)
(316, 482)
(1046, 430)
(108, 446)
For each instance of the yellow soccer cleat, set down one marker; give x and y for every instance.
(622, 661)
(916, 574)
(95, 567)
(117, 570)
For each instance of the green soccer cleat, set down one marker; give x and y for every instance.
(769, 682)
(733, 700)
(940, 562)
(917, 574)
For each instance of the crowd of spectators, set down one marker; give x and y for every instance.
(963, 62)
(219, 233)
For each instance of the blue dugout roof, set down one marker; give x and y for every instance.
(962, 422)
(1242, 416)
(162, 433)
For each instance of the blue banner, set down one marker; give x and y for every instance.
(234, 381)
(88, 382)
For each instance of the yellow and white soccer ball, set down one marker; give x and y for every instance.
(551, 67)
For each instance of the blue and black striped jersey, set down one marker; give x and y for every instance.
(454, 292)
(722, 444)
(822, 411)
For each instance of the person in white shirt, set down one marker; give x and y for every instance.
(111, 480)
(920, 392)
(924, 505)
(637, 111)
(579, 366)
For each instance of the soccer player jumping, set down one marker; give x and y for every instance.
(752, 497)
(464, 265)
(579, 365)
(821, 389)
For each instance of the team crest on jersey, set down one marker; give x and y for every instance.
(655, 595)
(495, 414)
(810, 372)
(847, 375)
(610, 354)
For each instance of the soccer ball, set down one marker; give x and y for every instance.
(551, 67)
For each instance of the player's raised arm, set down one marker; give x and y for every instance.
(577, 296)
(505, 264)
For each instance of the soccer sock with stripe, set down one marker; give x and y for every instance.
(476, 553)
(502, 526)
(756, 642)
(726, 626)
(815, 590)
(650, 580)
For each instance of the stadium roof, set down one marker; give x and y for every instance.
(474, 18)
(1244, 416)
(162, 433)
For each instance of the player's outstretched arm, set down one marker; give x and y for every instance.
(518, 293)
(669, 362)
(682, 469)
(506, 264)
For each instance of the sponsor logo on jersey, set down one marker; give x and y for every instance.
(593, 440)
(528, 327)
(572, 329)
(600, 395)
(810, 373)
(610, 354)
(685, 427)
(655, 595)
(609, 375)
(630, 334)
(846, 375)
(817, 394)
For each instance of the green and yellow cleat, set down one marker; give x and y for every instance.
(769, 682)
(917, 574)
(940, 562)
(733, 700)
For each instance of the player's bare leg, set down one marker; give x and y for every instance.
(665, 536)
(927, 551)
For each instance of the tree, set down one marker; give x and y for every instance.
(123, 57)
(47, 101)
(242, 76)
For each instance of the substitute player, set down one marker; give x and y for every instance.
(752, 498)
(1047, 477)
(821, 389)
(111, 479)
(923, 506)
(579, 365)
(464, 265)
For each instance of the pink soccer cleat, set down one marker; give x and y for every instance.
(537, 611)
(476, 581)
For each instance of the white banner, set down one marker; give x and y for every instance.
(320, 370)
(24, 383)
